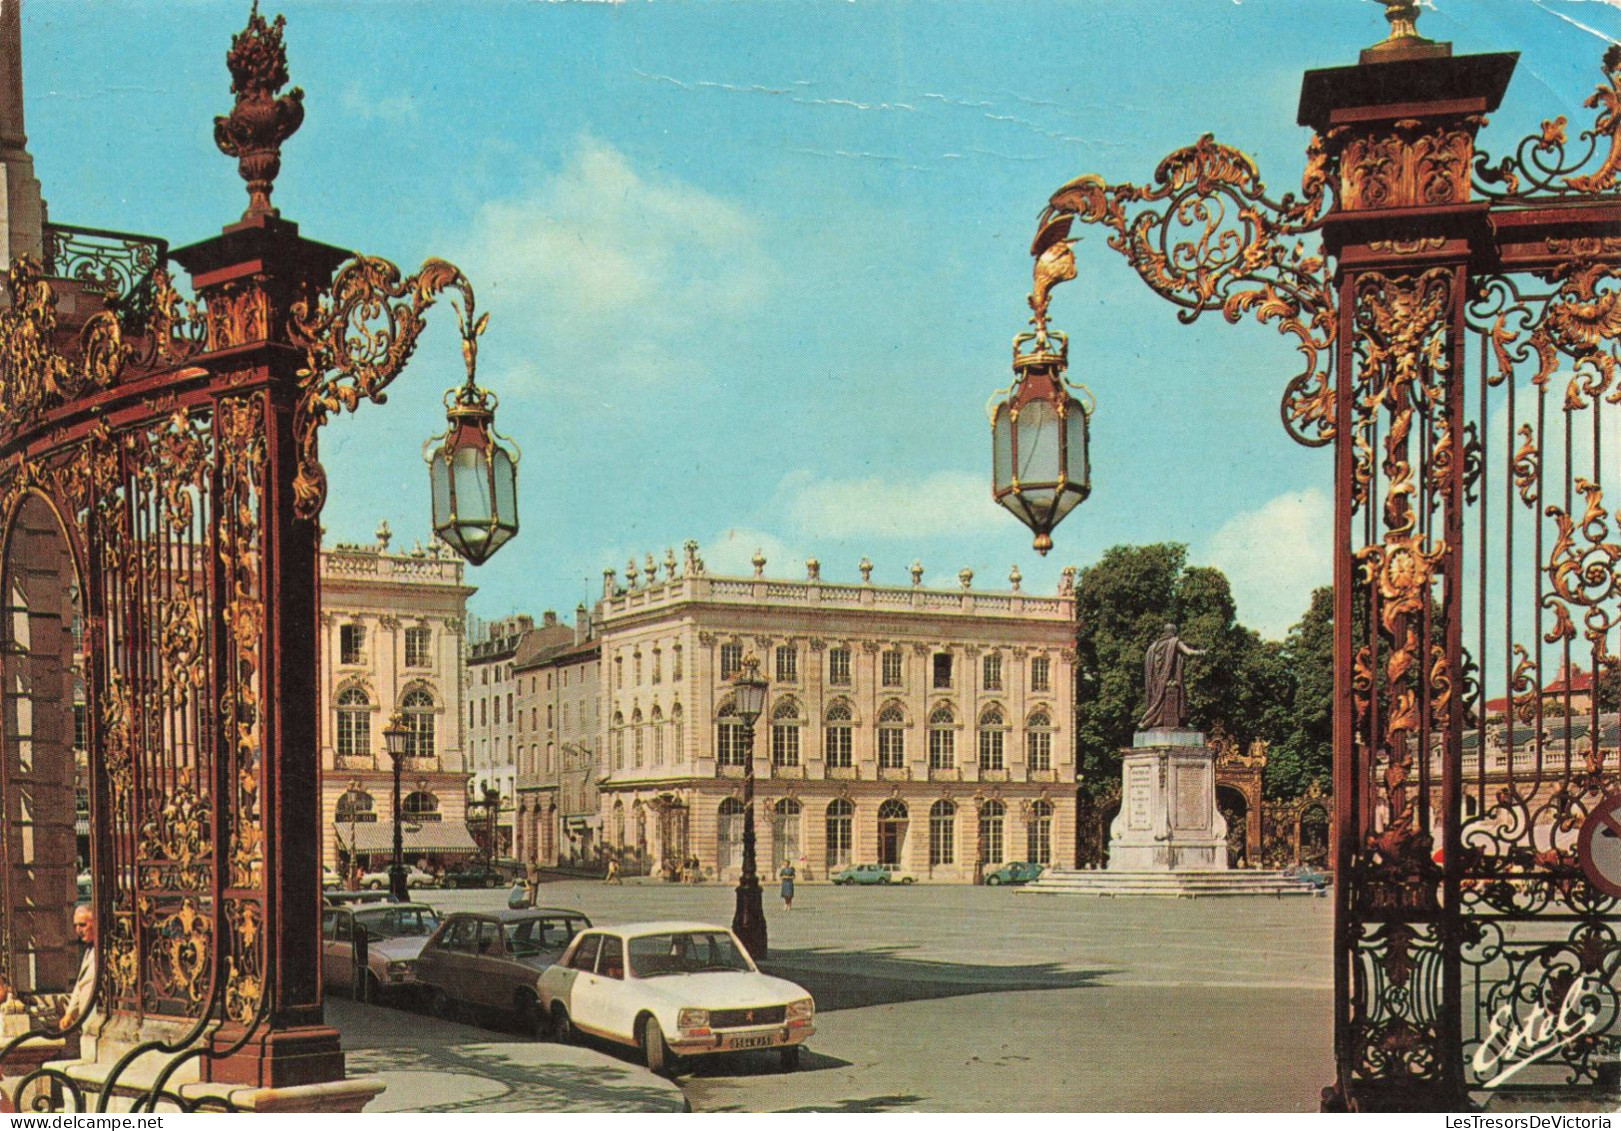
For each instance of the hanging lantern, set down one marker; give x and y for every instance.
(474, 474)
(1041, 467)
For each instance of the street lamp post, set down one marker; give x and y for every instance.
(395, 736)
(748, 921)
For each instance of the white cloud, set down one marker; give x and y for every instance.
(945, 503)
(731, 553)
(631, 271)
(1274, 557)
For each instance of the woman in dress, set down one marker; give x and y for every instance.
(786, 874)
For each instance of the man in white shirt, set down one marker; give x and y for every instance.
(84, 925)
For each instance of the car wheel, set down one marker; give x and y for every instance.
(993, 881)
(908, 880)
(529, 1015)
(655, 1053)
(562, 1027)
(375, 885)
(439, 1005)
(789, 1055)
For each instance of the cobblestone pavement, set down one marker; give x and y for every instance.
(962, 999)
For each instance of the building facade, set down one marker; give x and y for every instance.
(560, 719)
(391, 641)
(929, 729)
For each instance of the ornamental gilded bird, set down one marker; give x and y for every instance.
(1055, 264)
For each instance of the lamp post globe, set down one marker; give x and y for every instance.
(748, 920)
(396, 739)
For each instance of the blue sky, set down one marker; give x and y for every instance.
(754, 268)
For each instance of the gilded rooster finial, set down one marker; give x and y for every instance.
(260, 121)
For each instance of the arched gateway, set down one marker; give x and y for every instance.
(159, 502)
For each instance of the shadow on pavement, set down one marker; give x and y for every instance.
(852, 979)
(851, 1107)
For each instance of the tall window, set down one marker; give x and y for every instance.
(675, 733)
(942, 669)
(1041, 673)
(891, 668)
(891, 738)
(355, 807)
(658, 666)
(549, 716)
(658, 736)
(636, 738)
(354, 723)
(992, 818)
(942, 739)
(991, 730)
(619, 741)
(352, 644)
(729, 749)
(729, 835)
(619, 673)
(731, 660)
(1038, 742)
(840, 826)
(991, 671)
(418, 646)
(636, 674)
(787, 664)
(942, 833)
(417, 707)
(81, 738)
(1040, 833)
(838, 667)
(785, 734)
(836, 736)
(675, 662)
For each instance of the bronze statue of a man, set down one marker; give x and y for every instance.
(1162, 675)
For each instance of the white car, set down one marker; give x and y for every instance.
(673, 990)
(414, 878)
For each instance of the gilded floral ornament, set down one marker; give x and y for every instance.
(260, 121)
(36, 376)
(1540, 165)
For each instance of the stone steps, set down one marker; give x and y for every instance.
(1166, 885)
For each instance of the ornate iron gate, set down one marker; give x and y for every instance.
(159, 481)
(1460, 329)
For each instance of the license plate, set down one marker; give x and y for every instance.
(761, 1042)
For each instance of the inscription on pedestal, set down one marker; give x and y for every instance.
(1192, 801)
(1139, 796)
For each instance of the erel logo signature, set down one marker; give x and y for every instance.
(1512, 1042)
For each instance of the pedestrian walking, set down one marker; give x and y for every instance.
(786, 875)
(531, 882)
(613, 873)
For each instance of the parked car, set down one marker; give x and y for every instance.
(1015, 872)
(472, 876)
(395, 934)
(488, 961)
(898, 875)
(330, 880)
(861, 874)
(337, 898)
(674, 990)
(414, 878)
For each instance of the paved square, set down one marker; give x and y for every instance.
(966, 999)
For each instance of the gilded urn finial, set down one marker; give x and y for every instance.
(260, 121)
(1403, 17)
(1404, 42)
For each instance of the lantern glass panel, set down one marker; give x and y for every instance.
(470, 466)
(750, 700)
(1038, 501)
(1038, 443)
(439, 479)
(1078, 459)
(1002, 449)
(505, 474)
(1066, 501)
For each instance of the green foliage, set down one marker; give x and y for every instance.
(1249, 687)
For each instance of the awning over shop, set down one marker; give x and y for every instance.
(444, 838)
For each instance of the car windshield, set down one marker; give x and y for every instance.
(528, 937)
(685, 952)
(397, 922)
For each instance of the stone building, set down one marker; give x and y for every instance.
(391, 640)
(931, 729)
(494, 729)
(559, 718)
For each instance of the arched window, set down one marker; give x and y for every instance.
(891, 738)
(729, 749)
(636, 735)
(840, 829)
(420, 806)
(355, 807)
(785, 825)
(836, 744)
(892, 826)
(785, 734)
(354, 723)
(657, 719)
(1039, 834)
(618, 741)
(942, 833)
(992, 818)
(729, 834)
(417, 707)
(619, 825)
(942, 738)
(676, 749)
(1038, 741)
(991, 729)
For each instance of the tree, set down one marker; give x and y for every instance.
(1243, 684)
(1306, 751)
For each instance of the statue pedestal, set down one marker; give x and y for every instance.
(1168, 820)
